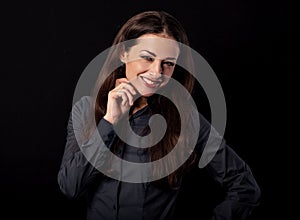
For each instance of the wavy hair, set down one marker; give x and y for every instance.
(152, 22)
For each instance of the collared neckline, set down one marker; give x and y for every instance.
(140, 112)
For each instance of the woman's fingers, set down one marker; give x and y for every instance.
(129, 88)
(125, 91)
(121, 80)
(126, 96)
(116, 105)
(124, 83)
(119, 100)
(122, 94)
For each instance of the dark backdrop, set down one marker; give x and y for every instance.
(251, 45)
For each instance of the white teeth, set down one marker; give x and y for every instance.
(149, 81)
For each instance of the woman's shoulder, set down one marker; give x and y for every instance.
(83, 102)
(83, 107)
(199, 120)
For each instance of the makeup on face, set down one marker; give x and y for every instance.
(151, 62)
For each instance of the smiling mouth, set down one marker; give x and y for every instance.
(151, 83)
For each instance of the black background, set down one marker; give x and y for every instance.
(251, 45)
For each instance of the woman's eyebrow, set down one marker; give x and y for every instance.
(170, 58)
(153, 54)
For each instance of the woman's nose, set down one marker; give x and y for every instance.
(156, 67)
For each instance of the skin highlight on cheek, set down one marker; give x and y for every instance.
(150, 63)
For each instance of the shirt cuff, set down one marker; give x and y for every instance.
(106, 131)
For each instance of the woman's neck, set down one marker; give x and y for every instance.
(139, 104)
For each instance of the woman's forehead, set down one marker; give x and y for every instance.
(161, 47)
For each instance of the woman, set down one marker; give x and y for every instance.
(132, 92)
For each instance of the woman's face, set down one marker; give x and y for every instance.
(151, 62)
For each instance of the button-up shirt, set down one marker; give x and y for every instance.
(108, 198)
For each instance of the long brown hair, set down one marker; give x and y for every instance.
(151, 22)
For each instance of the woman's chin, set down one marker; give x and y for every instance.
(146, 93)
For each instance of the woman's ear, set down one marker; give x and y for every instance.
(123, 57)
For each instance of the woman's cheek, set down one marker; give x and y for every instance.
(133, 69)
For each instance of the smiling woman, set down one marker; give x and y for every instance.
(146, 66)
(150, 63)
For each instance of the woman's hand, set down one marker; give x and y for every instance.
(120, 99)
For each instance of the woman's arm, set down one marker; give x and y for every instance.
(76, 171)
(242, 193)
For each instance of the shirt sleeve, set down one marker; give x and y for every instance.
(77, 170)
(242, 193)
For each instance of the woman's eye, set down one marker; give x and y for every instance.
(169, 63)
(148, 58)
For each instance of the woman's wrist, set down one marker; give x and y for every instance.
(109, 119)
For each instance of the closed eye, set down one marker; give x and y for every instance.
(148, 58)
(168, 63)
